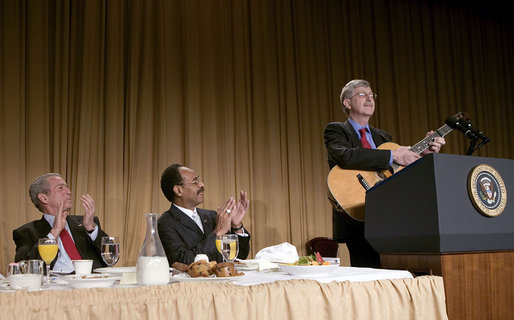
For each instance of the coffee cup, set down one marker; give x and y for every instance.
(83, 267)
(25, 281)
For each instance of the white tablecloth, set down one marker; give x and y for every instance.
(342, 274)
(255, 277)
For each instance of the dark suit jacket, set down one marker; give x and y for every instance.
(182, 239)
(27, 236)
(345, 150)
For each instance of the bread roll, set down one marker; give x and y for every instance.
(199, 269)
(226, 269)
(180, 266)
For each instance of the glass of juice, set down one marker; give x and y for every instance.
(47, 250)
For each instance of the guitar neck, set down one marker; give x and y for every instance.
(425, 143)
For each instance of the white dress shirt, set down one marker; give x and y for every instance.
(63, 262)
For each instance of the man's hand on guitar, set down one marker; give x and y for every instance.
(434, 146)
(404, 156)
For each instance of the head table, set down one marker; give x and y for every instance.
(350, 293)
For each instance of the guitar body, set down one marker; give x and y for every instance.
(348, 192)
(348, 187)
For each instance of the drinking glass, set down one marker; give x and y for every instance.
(228, 246)
(110, 249)
(47, 250)
(218, 244)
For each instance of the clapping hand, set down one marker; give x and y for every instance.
(224, 217)
(60, 220)
(89, 206)
(240, 210)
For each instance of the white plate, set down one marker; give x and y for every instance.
(59, 273)
(335, 261)
(308, 270)
(91, 281)
(115, 270)
(180, 278)
(4, 286)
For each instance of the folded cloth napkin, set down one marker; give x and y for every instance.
(284, 252)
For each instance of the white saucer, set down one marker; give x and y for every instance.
(91, 281)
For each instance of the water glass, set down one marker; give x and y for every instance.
(110, 249)
(228, 246)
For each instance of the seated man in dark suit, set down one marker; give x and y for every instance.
(76, 240)
(186, 230)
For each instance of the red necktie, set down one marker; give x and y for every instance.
(69, 245)
(364, 141)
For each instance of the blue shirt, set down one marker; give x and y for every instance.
(357, 126)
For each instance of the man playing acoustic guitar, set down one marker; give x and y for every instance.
(353, 145)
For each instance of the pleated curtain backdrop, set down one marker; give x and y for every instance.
(109, 93)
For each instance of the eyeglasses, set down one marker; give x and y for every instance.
(365, 95)
(195, 181)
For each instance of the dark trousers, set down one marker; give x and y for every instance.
(351, 232)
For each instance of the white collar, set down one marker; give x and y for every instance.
(188, 212)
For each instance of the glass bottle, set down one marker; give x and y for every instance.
(152, 265)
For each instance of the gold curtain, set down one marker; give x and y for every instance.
(109, 93)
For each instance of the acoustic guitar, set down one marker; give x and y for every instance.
(348, 187)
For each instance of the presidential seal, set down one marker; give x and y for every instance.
(487, 190)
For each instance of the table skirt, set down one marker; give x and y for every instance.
(418, 298)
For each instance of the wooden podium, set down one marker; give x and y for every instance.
(423, 219)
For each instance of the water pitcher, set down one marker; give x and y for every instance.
(152, 265)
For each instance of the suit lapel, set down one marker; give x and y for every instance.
(183, 218)
(377, 137)
(207, 224)
(43, 227)
(352, 135)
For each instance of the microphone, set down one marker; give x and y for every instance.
(467, 128)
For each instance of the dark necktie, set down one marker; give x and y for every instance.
(69, 245)
(364, 140)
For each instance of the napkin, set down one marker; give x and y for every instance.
(129, 278)
(259, 264)
(284, 253)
